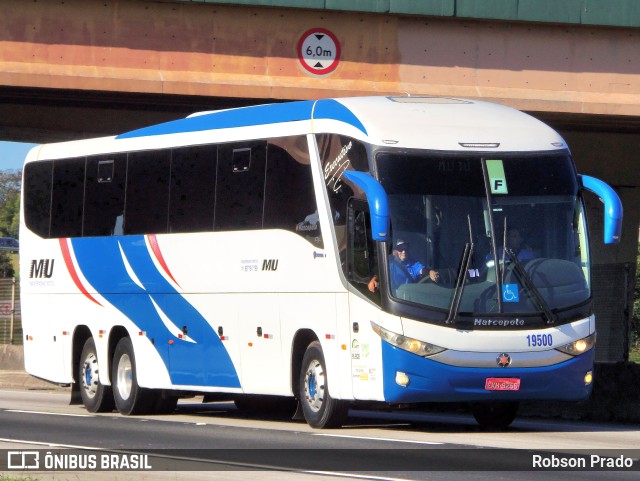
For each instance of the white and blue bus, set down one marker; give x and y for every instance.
(331, 252)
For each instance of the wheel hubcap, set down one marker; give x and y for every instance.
(90, 376)
(314, 386)
(124, 377)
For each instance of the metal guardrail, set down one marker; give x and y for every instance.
(10, 317)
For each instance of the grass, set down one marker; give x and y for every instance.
(14, 261)
(634, 356)
(16, 268)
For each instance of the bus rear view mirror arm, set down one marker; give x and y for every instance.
(377, 199)
(612, 207)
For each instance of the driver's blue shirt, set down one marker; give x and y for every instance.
(404, 272)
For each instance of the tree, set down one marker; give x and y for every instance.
(9, 214)
(10, 181)
(6, 266)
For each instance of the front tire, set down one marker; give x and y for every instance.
(96, 397)
(129, 397)
(319, 408)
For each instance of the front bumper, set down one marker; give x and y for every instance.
(431, 381)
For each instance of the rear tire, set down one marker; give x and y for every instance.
(129, 397)
(495, 415)
(96, 397)
(319, 408)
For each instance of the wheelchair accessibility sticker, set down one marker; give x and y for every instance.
(510, 293)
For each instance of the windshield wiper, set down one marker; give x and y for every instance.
(454, 306)
(525, 280)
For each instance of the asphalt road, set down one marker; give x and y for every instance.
(219, 442)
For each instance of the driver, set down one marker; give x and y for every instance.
(402, 269)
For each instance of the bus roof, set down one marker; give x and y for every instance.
(434, 123)
(451, 124)
(422, 122)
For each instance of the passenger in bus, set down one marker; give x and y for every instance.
(403, 269)
(515, 242)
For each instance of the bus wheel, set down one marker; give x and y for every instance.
(96, 397)
(495, 415)
(319, 408)
(129, 397)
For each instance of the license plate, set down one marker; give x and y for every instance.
(502, 384)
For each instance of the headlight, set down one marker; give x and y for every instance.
(408, 344)
(580, 346)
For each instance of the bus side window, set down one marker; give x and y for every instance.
(68, 197)
(104, 195)
(290, 201)
(339, 153)
(37, 196)
(240, 186)
(362, 263)
(147, 192)
(193, 188)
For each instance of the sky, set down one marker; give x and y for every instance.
(12, 154)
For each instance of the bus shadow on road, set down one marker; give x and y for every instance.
(437, 421)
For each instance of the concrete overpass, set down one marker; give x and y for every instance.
(81, 68)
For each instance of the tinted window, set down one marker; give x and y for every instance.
(240, 186)
(147, 200)
(37, 196)
(176, 190)
(362, 262)
(337, 154)
(193, 184)
(104, 195)
(289, 196)
(67, 199)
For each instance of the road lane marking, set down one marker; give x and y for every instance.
(50, 414)
(338, 474)
(51, 445)
(367, 438)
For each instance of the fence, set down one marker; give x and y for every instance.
(10, 318)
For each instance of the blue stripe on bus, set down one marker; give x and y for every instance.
(255, 115)
(203, 363)
(431, 381)
(331, 109)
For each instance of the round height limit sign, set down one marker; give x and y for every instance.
(319, 51)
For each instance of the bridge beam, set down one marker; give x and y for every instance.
(202, 49)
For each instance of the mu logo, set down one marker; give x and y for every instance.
(270, 264)
(41, 268)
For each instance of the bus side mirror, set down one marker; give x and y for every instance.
(612, 207)
(378, 204)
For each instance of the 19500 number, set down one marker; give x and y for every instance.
(538, 340)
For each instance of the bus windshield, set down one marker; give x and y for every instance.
(472, 235)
